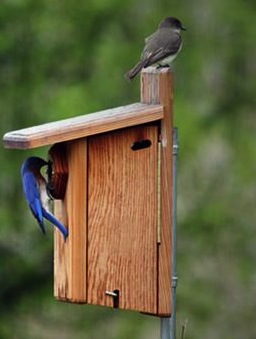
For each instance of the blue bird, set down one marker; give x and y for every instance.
(35, 190)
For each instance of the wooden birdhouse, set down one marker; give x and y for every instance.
(112, 180)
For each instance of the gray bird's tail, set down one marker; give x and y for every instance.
(135, 70)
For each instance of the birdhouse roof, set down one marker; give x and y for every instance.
(83, 126)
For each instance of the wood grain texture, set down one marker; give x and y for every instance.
(157, 88)
(122, 227)
(70, 257)
(82, 126)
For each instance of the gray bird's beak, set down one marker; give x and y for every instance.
(183, 28)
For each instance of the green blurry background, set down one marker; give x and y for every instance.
(64, 58)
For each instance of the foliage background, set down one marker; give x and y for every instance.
(64, 58)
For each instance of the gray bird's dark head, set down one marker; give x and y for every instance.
(172, 22)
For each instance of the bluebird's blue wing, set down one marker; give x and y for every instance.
(55, 222)
(31, 191)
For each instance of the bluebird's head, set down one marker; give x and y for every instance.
(33, 164)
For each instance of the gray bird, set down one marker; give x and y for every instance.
(161, 48)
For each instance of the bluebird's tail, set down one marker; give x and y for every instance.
(56, 222)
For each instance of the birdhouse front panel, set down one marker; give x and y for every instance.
(122, 219)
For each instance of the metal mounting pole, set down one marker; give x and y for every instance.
(175, 151)
(168, 325)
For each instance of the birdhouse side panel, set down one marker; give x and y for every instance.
(70, 261)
